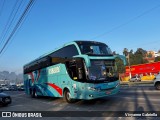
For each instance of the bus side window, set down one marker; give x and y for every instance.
(66, 52)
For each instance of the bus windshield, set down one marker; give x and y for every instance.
(102, 69)
(94, 48)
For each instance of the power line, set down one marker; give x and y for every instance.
(17, 30)
(18, 24)
(129, 21)
(9, 22)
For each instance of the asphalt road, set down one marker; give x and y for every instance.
(130, 98)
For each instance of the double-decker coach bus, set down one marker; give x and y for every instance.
(78, 70)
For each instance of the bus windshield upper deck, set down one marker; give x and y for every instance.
(94, 48)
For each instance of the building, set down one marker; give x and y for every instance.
(156, 54)
(151, 54)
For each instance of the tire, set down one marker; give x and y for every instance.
(33, 93)
(157, 85)
(67, 96)
(4, 105)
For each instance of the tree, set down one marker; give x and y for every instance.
(139, 56)
(135, 58)
(141, 52)
(125, 51)
(120, 65)
(139, 59)
(132, 59)
(131, 51)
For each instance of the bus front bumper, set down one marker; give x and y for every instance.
(94, 95)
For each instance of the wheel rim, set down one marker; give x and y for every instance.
(68, 96)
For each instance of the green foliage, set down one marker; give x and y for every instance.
(140, 51)
(120, 65)
(138, 59)
(125, 51)
(135, 58)
(157, 59)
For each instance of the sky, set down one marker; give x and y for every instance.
(49, 24)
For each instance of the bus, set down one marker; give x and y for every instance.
(79, 70)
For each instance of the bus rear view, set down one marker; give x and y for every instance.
(78, 70)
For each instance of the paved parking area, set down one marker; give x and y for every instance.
(130, 99)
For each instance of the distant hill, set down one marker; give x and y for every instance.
(5, 75)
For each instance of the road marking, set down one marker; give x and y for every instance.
(135, 98)
(128, 91)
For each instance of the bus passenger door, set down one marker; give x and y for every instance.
(76, 73)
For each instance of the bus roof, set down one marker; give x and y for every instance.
(70, 43)
(44, 55)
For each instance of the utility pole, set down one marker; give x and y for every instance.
(126, 53)
(129, 65)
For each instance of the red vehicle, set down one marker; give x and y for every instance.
(143, 69)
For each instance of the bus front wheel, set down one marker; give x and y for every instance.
(67, 96)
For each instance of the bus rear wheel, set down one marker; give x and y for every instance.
(67, 96)
(33, 93)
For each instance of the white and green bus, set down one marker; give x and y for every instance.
(78, 70)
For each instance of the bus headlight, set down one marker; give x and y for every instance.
(94, 89)
(91, 88)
